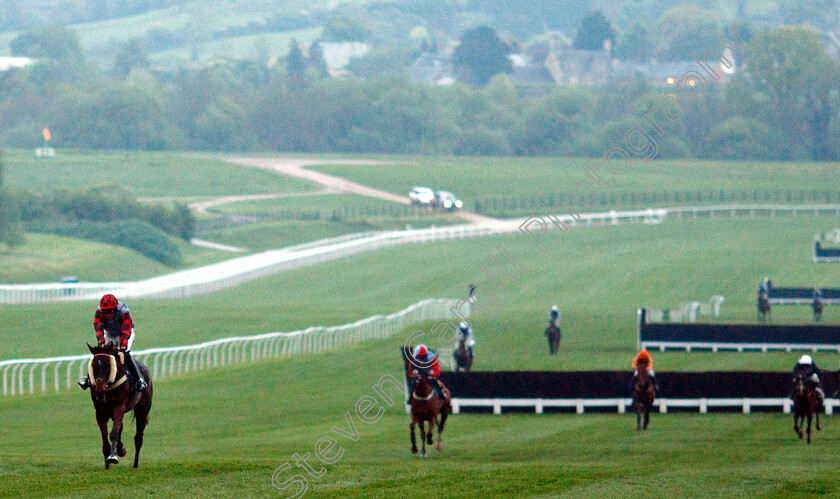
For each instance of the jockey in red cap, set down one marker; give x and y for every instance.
(423, 358)
(112, 324)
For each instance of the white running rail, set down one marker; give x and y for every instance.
(28, 375)
(235, 271)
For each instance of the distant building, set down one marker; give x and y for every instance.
(525, 73)
(338, 55)
(432, 68)
(558, 64)
(831, 43)
(7, 63)
(668, 73)
(571, 66)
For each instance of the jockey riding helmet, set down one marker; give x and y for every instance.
(108, 302)
(644, 354)
(805, 359)
(421, 351)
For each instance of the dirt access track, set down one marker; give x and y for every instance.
(295, 167)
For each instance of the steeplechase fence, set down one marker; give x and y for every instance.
(740, 337)
(53, 374)
(688, 311)
(802, 296)
(579, 391)
(825, 254)
(831, 254)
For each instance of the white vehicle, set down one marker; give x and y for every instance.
(422, 196)
(447, 201)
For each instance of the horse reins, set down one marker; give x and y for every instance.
(416, 397)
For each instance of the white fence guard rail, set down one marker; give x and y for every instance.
(235, 271)
(28, 375)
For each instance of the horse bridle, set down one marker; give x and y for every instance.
(417, 380)
(112, 374)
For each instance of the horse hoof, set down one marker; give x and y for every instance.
(121, 452)
(439, 447)
(112, 459)
(414, 450)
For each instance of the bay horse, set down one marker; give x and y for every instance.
(764, 308)
(463, 361)
(643, 395)
(817, 307)
(425, 408)
(114, 396)
(806, 404)
(552, 332)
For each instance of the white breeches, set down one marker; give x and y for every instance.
(116, 340)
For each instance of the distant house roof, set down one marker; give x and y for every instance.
(338, 55)
(532, 75)
(573, 66)
(659, 72)
(7, 63)
(431, 68)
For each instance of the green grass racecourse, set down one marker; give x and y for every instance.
(223, 433)
(144, 174)
(48, 258)
(481, 178)
(598, 275)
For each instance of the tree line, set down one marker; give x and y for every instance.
(785, 106)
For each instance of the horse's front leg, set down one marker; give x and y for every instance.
(440, 426)
(413, 438)
(120, 447)
(102, 421)
(422, 438)
(809, 428)
(647, 417)
(796, 425)
(638, 417)
(115, 436)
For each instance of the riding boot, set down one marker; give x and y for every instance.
(84, 382)
(437, 388)
(131, 366)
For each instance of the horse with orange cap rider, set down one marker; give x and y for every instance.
(644, 361)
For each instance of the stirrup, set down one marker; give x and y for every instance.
(84, 383)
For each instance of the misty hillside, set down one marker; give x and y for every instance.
(176, 31)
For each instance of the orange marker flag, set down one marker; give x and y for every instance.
(46, 134)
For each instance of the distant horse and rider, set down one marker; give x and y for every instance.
(817, 305)
(552, 332)
(808, 397)
(763, 305)
(464, 347)
(429, 399)
(644, 388)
